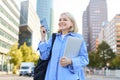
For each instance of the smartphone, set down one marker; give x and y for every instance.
(44, 24)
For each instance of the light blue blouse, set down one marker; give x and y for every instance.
(54, 70)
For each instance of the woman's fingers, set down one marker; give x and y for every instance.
(64, 61)
(43, 33)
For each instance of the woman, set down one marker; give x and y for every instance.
(60, 67)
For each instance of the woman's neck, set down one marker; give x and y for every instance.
(64, 32)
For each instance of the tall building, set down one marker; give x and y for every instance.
(29, 25)
(44, 10)
(112, 34)
(85, 28)
(9, 27)
(96, 15)
(101, 35)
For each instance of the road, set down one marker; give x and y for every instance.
(14, 77)
(88, 77)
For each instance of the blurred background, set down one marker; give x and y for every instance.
(98, 21)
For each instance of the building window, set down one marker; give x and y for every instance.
(4, 23)
(4, 44)
(7, 36)
(118, 45)
(8, 16)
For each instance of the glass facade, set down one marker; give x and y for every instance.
(44, 10)
(25, 36)
(24, 13)
(9, 29)
(29, 30)
(8, 16)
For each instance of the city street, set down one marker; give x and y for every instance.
(14, 77)
(88, 77)
(26, 28)
(100, 77)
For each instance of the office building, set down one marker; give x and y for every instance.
(29, 25)
(44, 10)
(112, 34)
(101, 35)
(9, 28)
(96, 15)
(85, 28)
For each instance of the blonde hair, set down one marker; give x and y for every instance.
(73, 28)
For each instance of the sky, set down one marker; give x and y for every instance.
(76, 8)
(113, 8)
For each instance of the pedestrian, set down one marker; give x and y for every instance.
(59, 66)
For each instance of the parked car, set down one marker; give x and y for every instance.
(26, 69)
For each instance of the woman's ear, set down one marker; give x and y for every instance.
(71, 28)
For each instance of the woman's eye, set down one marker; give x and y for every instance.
(59, 19)
(64, 19)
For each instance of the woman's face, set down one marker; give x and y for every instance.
(64, 23)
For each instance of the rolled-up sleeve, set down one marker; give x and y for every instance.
(81, 60)
(44, 49)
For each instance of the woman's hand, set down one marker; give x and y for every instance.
(43, 33)
(64, 61)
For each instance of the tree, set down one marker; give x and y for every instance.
(105, 53)
(24, 54)
(34, 56)
(29, 55)
(115, 62)
(16, 56)
(94, 60)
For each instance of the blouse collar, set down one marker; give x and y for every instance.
(70, 33)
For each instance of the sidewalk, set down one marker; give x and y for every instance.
(101, 76)
(4, 72)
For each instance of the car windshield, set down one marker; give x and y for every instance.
(24, 67)
(32, 68)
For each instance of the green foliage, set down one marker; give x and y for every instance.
(94, 59)
(29, 55)
(115, 62)
(34, 56)
(15, 54)
(101, 56)
(105, 53)
(24, 54)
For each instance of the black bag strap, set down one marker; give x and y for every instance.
(53, 39)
